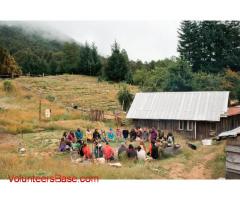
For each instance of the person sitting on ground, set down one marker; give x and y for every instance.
(67, 141)
(98, 151)
(122, 151)
(89, 135)
(108, 152)
(142, 145)
(161, 136)
(79, 134)
(160, 145)
(96, 135)
(133, 135)
(145, 134)
(62, 145)
(170, 139)
(125, 134)
(110, 135)
(76, 145)
(141, 154)
(70, 137)
(65, 135)
(80, 151)
(118, 134)
(86, 151)
(153, 134)
(138, 134)
(103, 136)
(154, 150)
(131, 153)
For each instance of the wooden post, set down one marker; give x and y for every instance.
(40, 109)
(195, 131)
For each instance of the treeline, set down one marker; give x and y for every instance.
(177, 75)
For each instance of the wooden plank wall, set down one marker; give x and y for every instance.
(233, 158)
(164, 125)
(228, 123)
(204, 129)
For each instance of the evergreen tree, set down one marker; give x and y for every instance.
(178, 77)
(89, 62)
(117, 68)
(8, 65)
(71, 56)
(210, 46)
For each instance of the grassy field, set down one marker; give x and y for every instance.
(19, 114)
(19, 110)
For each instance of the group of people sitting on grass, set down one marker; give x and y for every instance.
(132, 143)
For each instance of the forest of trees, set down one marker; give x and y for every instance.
(209, 59)
(37, 55)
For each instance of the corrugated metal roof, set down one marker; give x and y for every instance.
(199, 106)
(231, 133)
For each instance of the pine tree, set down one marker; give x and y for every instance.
(8, 65)
(179, 77)
(117, 68)
(210, 46)
(89, 62)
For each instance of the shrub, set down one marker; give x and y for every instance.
(50, 98)
(8, 86)
(125, 98)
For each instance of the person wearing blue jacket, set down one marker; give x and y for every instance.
(79, 134)
(110, 135)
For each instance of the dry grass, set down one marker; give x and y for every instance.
(42, 158)
(19, 109)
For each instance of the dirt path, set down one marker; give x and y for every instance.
(200, 170)
(194, 168)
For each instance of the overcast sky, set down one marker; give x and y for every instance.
(144, 40)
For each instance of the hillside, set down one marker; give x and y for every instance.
(43, 52)
(19, 109)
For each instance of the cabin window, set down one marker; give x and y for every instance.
(189, 125)
(181, 125)
(212, 126)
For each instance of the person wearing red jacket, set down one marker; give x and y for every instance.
(86, 151)
(108, 152)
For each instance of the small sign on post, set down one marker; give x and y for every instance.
(48, 113)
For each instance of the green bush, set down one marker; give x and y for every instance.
(125, 98)
(50, 98)
(8, 86)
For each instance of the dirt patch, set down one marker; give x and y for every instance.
(200, 171)
(8, 141)
(176, 171)
(6, 138)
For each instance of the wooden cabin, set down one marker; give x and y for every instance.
(197, 115)
(232, 153)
